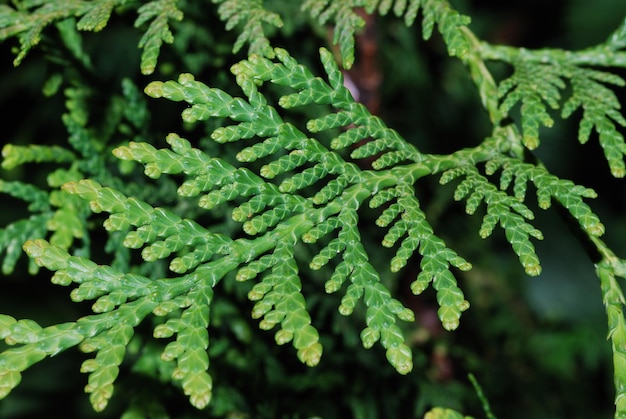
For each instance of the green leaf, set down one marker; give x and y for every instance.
(160, 12)
(601, 110)
(613, 299)
(252, 16)
(28, 25)
(534, 85)
(98, 16)
(348, 20)
(502, 209)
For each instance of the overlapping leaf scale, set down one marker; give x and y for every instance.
(548, 187)
(15, 234)
(159, 12)
(601, 110)
(534, 85)
(278, 300)
(253, 15)
(449, 22)
(613, 299)
(104, 368)
(347, 20)
(161, 231)
(124, 300)
(29, 343)
(507, 211)
(191, 344)
(381, 309)
(410, 227)
(15, 155)
(264, 211)
(53, 211)
(27, 24)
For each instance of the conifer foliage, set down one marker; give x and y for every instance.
(305, 165)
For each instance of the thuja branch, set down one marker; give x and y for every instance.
(608, 269)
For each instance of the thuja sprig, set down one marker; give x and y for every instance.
(396, 166)
(123, 301)
(347, 21)
(549, 187)
(538, 84)
(252, 15)
(28, 19)
(310, 192)
(107, 333)
(608, 269)
(52, 209)
(502, 209)
(541, 77)
(278, 214)
(509, 210)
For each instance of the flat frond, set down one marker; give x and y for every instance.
(348, 19)
(27, 23)
(535, 86)
(549, 187)
(613, 299)
(346, 22)
(288, 177)
(601, 111)
(502, 209)
(285, 202)
(107, 333)
(159, 12)
(251, 15)
(538, 85)
(412, 230)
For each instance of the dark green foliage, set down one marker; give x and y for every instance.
(279, 201)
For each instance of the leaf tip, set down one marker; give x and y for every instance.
(154, 89)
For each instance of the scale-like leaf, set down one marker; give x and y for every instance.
(251, 15)
(534, 85)
(159, 12)
(348, 20)
(601, 110)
